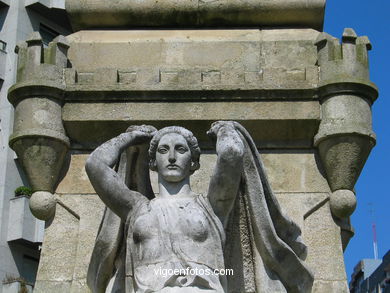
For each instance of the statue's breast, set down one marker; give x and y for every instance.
(191, 222)
(145, 228)
(171, 227)
(172, 219)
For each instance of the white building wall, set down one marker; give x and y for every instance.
(16, 23)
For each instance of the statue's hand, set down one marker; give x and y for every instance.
(143, 133)
(216, 127)
(143, 128)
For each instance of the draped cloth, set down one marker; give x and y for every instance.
(273, 236)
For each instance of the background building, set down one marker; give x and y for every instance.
(371, 275)
(20, 232)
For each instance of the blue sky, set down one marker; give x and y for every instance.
(370, 18)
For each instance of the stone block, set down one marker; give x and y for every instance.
(169, 77)
(85, 77)
(330, 287)
(59, 253)
(253, 76)
(271, 124)
(325, 254)
(59, 286)
(187, 60)
(90, 208)
(298, 13)
(127, 77)
(164, 49)
(211, 77)
(295, 171)
(64, 262)
(76, 180)
(274, 53)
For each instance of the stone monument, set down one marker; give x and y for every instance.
(304, 97)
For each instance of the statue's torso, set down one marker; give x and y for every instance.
(175, 233)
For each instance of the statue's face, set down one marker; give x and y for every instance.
(173, 158)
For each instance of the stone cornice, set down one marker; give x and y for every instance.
(200, 13)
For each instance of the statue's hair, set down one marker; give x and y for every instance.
(188, 136)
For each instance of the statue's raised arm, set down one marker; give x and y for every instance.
(225, 181)
(105, 180)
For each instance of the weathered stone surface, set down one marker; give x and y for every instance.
(308, 110)
(39, 69)
(90, 208)
(43, 205)
(65, 261)
(272, 124)
(342, 203)
(346, 61)
(346, 114)
(59, 252)
(330, 286)
(40, 157)
(39, 116)
(94, 13)
(295, 171)
(76, 180)
(189, 60)
(39, 138)
(60, 286)
(325, 255)
(345, 137)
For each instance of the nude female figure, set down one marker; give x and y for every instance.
(178, 229)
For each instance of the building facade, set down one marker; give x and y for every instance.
(371, 275)
(20, 232)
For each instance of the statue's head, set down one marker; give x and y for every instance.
(174, 153)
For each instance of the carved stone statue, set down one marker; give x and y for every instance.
(142, 237)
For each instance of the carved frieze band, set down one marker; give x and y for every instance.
(191, 79)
